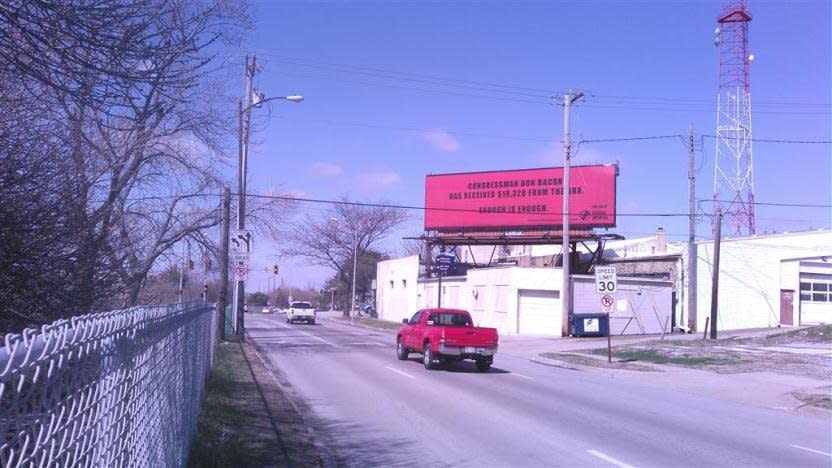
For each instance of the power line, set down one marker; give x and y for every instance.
(793, 205)
(608, 140)
(795, 142)
(426, 208)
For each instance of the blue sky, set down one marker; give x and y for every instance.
(396, 90)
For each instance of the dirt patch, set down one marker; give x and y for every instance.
(794, 352)
(821, 334)
(818, 400)
(667, 356)
(589, 361)
(246, 420)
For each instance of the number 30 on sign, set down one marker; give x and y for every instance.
(606, 281)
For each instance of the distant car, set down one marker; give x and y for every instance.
(268, 310)
(301, 311)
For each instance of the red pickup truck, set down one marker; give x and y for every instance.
(446, 335)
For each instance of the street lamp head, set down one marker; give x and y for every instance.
(294, 98)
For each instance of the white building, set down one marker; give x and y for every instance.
(519, 300)
(768, 280)
(765, 281)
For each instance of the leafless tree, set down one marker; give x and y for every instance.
(130, 129)
(328, 239)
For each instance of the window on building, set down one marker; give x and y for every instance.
(815, 287)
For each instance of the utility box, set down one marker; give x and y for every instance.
(589, 325)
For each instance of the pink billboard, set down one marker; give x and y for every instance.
(523, 198)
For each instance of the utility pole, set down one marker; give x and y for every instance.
(354, 268)
(715, 283)
(222, 300)
(244, 111)
(332, 299)
(566, 297)
(692, 258)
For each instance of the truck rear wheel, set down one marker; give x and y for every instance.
(428, 357)
(483, 365)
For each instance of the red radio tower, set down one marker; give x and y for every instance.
(733, 162)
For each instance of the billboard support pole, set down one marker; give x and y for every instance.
(568, 99)
(439, 291)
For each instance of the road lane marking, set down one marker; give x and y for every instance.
(609, 459)
(812, 450)
(399, 372)
(305, 333)
(522, 376)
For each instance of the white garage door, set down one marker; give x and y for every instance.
(538, 312)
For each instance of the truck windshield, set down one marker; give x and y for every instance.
(301, 305)
(459, 320)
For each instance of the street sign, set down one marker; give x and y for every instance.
(445, 262)
(606, 281)
(606, 303)
(241, 257)
(242, 242)
(241, 272)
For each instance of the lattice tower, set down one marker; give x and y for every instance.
(733, 162)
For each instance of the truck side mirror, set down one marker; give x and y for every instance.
(405, 321)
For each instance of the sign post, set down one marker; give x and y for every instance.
(444, 264)
(606, 284)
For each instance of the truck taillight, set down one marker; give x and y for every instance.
(442, 336)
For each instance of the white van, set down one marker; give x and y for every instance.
(301, 311)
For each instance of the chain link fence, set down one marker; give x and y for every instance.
(118, 388)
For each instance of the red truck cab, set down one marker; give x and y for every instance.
(446, 335)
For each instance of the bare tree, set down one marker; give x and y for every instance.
(124, 158)
(328, 239)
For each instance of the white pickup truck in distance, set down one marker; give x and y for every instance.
(301, 311)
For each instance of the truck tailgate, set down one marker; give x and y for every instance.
(470, 336)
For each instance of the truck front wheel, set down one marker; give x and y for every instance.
(401, 351)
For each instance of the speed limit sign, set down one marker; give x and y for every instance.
(606, 281)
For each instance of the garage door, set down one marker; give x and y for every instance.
(538, 312)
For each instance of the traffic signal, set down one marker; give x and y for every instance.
(274, 270)
(190, 264)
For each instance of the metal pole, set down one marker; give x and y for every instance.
(439, 291)
(566, 296)
(245, 119)
(692, 259)
(715, 283)
(332, 299)
(222, 301)
(354, 268)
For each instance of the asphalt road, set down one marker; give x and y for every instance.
(369, 409)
